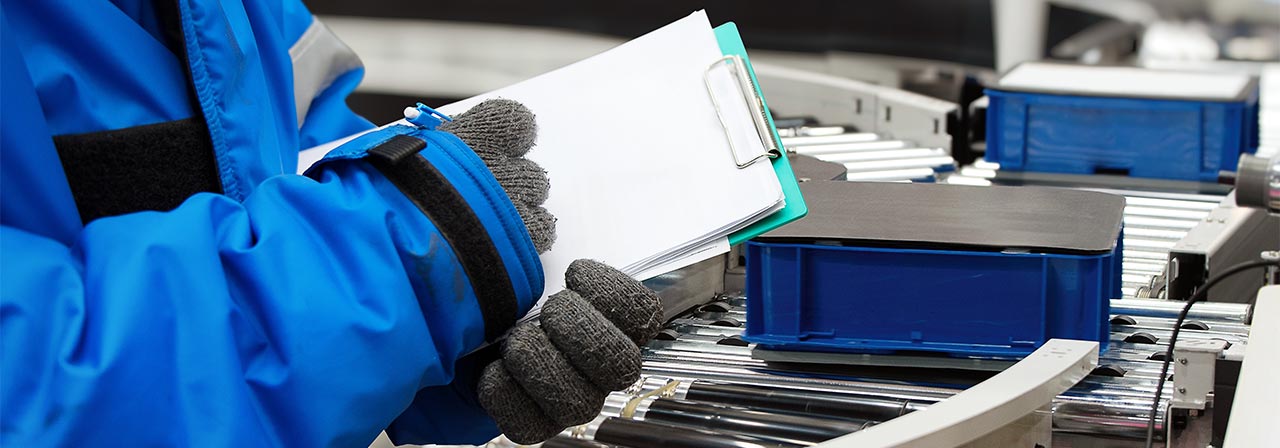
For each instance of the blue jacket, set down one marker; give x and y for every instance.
(288, 310)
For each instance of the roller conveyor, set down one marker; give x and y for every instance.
(702, 367)
(870, 156)
(721, 388)
(703, 350)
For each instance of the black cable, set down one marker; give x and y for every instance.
(1182, 316)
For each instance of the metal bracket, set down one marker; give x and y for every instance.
(1193, 367)
(868, 107)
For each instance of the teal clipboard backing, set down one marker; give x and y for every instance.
(731, 44)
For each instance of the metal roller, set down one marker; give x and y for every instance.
(777, 427)
(1086, 415)
(815, 140)
(848, 148)
(1230, 312)
(872, 157)
(754, 378)
(634, 433)
(799, 401)
(570, 442)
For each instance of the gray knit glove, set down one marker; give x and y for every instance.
(557, 374)
(501, 131)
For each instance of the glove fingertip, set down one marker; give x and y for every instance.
(597, 348)
(633, 308)
(583, 267)
(515, 413)
(543, 371)
(524, 181)
(498, 126)
(594, 279)
(541, 225)
(520, 123)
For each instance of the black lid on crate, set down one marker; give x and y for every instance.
(955, 217)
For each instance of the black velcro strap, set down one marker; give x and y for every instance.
(398, 147)
(148, 167)
(427, 188)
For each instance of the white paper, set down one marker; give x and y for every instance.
(641, 172)
(711, 249)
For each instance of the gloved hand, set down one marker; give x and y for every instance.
(555, 375)
(558, 374)
(501, 132)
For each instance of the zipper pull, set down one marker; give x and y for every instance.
(424, 116)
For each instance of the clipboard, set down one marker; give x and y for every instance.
(732, 47)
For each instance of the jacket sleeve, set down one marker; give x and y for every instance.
(308, 315)
(325, 71)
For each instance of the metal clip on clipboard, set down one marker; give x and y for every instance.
(755, 105)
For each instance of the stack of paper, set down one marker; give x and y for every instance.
(642, 174)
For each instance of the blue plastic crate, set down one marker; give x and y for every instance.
(1179, 139)
(961, 303)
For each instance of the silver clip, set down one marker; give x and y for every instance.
(754, 103)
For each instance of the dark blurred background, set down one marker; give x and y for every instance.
(954, 31)
(438, 52)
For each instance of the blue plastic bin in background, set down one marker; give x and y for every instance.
(962, 303)
(1060, 129)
